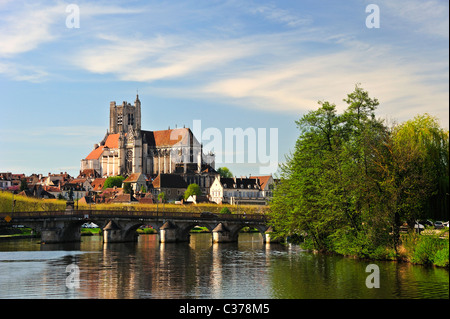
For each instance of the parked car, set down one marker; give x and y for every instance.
(418, 227)
(426, 223)
(438, 225)
(445, 224)
(89, 225)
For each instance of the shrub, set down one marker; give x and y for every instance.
(427, 250)
(440, 258)
(225, 210)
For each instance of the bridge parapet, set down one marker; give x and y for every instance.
(60, 226)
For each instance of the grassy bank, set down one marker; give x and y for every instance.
(428, 248)
(24, 203)
(425, 249)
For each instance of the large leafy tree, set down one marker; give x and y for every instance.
(224, 172)
(325, 185)
(415, 169)
(192, 189)
(112, 181)
(351, 181)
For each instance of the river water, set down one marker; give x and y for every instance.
(201, 269)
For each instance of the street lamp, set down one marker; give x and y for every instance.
(237, 201)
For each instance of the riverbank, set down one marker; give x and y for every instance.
(429, 248)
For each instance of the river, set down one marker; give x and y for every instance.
(200, 269)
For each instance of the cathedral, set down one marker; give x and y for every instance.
(127, 149)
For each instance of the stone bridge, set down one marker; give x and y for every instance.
(121, 226)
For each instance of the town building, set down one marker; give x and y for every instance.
(253, 190)
(173, 186)
(5, 180)
(137, 181)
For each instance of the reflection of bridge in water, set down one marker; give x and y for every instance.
(121, 226)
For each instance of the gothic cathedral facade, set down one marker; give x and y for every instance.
(127, 149)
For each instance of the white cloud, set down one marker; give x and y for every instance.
(20, 72)
(27, 28)
(296, 85)
(24, 27)
(278, 15)
(280, 71)
(429, 17)
(163, 57)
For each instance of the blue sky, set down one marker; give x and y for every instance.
(248, 64)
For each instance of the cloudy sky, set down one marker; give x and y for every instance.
(229, 64)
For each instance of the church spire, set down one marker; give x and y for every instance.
(137, 105)
(137, 96)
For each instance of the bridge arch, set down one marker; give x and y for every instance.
(60, 226)
(236, 229)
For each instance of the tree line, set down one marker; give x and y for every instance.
(352, 180)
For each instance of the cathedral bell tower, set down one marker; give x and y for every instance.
(125, 120)
(124, 116)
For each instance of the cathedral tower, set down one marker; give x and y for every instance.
(124, 116)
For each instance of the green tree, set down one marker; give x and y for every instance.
(162, 197)
(225, 210)
(298, 204)
(351, 181)
(23, 184)
(192, 189)
(415, 171)
(224, 172)
(127, 189)
(327, 186)
(112, 181)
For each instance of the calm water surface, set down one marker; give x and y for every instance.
(200, 269)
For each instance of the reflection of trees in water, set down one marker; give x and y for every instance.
(200, 269)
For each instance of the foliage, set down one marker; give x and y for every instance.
(192, 189)
(225, 210)
(351, 181)
(440, 258)
(430, 250)
(23, 184)
(162, 197)
(112, 181)
(127, 189)
(224, 172)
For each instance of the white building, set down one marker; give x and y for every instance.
(253, 190)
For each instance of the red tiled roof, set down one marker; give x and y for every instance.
(133, 178)
(112, 141)
(169, 137)
(262, 180)
(161, 138)
(97, 184)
